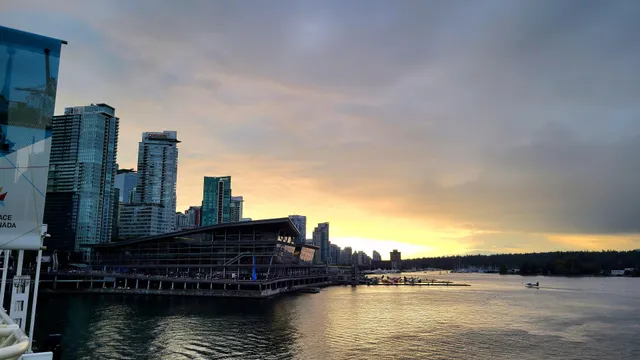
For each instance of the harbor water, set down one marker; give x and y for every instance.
(494, 318)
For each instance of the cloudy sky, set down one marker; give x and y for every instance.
(434, 127)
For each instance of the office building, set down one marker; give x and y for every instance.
(193, 216)
(396, 260)
(376, 256)
(140, 220)
(155, 192)
(235, 208)
(115, 205)
(79, 207)
(321, 238)
(126, 181)
(335, 254)
(182, 221)
(158, 173)
(362, 259)
(216, 200)
(346, 256)
(300, 222)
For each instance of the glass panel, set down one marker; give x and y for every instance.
(28, 81)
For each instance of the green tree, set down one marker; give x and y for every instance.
(503, 269)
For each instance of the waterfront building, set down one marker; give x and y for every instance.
(335, 254)
(115, 205)
(216, 200)
(362, 259)
(256, 255)
(376, 256)
(153, 209)
(181, 221)
(321, 238)
(300, 221)
(126, 181)
(235, 208)
(346, 256)
(140, 220)
(79, 206)
(396, 260)
(193, 216)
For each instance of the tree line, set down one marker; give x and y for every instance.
(547, 263)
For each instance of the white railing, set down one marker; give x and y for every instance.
(13, 341)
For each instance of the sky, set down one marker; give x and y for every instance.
(433, 127)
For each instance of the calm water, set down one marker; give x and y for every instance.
(495, 318)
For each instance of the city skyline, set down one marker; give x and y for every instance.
(471, 140)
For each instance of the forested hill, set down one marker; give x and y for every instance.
(552, 263)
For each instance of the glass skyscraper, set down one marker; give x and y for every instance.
(216, 200)
(80, 190)
(126, 180)
(158, 174)
(235, 208)
(28, 82)
(300, 222)
(153, 210)
(321, 238)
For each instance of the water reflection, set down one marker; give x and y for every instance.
(495, 318)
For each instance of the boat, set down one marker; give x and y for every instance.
(532, 285)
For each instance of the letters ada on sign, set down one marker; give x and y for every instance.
(6, 220)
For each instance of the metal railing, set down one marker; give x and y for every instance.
(13, 342)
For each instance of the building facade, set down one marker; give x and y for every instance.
(321, 238)
(235, 208)
(346, 255)
(182, 221)
(140, 220)
(262, 249)
(153, 210)
(81, 176)
(300, 222)
(335, 254)
(216, 200)
(158, 174)
(396, 260)
(126, 181)
(376, 256)
(193, 216)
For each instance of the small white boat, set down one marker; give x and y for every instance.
(532, 285)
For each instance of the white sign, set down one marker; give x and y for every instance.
(23, 186)
(27, 99)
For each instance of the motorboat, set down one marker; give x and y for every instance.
(532, 285)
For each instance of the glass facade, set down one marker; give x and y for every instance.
(321, 238)
(83, 166)
(216, 200)
(126, 181)
(235, 208)
(233, 247)
(300, 222)
(28, 82)
(158, 175)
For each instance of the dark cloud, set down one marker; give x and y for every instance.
(511, 115)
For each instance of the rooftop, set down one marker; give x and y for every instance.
(284, 222)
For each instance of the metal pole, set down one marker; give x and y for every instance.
(20, 261)
(5, 269)
(35, 299)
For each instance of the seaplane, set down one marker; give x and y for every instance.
(532, 285)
